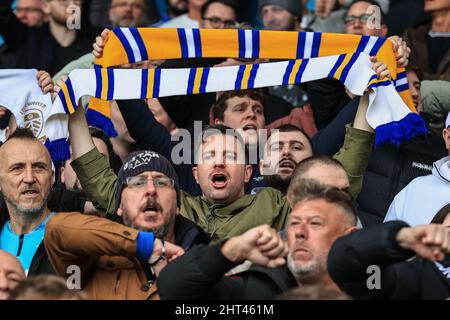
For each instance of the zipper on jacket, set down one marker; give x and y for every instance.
(19, 250)
(210, 215)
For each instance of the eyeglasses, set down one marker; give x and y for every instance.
(362, 18)
(139, 182)
(215, 21)
(133, 5)
(18, 10)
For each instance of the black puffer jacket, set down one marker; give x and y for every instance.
(391, 169)
(199, 274)
(399, 278)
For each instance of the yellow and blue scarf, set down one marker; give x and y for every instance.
(309, 56)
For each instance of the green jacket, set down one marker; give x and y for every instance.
(267, 207)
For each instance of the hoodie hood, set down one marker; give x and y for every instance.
(441, 169)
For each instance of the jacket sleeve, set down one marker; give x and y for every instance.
(97, 179)
(327, 98)
(74, 239)
(84, 62)
(330, 139)
(143, 127)
(199, 274)
(11, 29)
(351, 256)
(354, 156)
(65, 200)
(151, 135)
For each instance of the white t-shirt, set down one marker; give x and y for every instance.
(182, 21)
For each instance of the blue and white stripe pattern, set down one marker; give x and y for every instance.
(308, 45)
(249, 43)
(370, 45)
(401, 83)
(133, 44)
(191, 46)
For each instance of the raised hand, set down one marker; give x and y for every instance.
(45, 81)
(99, 43)
(261, 245)
(402, 51)
(380, 68)
(58, 85)
(430, 241)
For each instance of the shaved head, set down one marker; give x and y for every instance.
(11, 273)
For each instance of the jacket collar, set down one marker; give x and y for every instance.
(438, 172)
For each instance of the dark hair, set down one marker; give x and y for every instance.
(291, 128)
(23, 134)
(229, 3)
(4, 121)
(221, 105)
(373, 3)
(307, 189)
(114, 161)
(209, 131)
(414, 67)
(45, 287)
(441, 214)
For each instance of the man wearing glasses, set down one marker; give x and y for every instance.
(219, 14)
(123, 261)
(364, 17)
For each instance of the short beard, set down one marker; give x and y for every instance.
(175, 12)
(27, 213)
(160, 232)
(277, 182)
(306, 274)
(166, 228)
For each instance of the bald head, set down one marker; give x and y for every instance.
(323, 170)
(11, 273)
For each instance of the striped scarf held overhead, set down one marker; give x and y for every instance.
(310, 56)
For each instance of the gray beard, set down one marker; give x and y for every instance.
(27, 213)
(306, 273)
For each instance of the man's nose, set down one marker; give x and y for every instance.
(301, 231)
(357, 23)
(286, 150)
(29, 176)
(150, 188)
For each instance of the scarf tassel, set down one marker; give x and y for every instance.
(96, 119)
(59, 150)
(398, 131)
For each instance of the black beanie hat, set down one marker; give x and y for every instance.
(140, 161)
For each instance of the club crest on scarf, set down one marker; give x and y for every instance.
(34, 110)
(34, 120)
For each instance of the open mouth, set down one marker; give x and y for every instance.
(287, 164)
(31, 193)
(219, 180)
(249, 127)
(151, 208)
